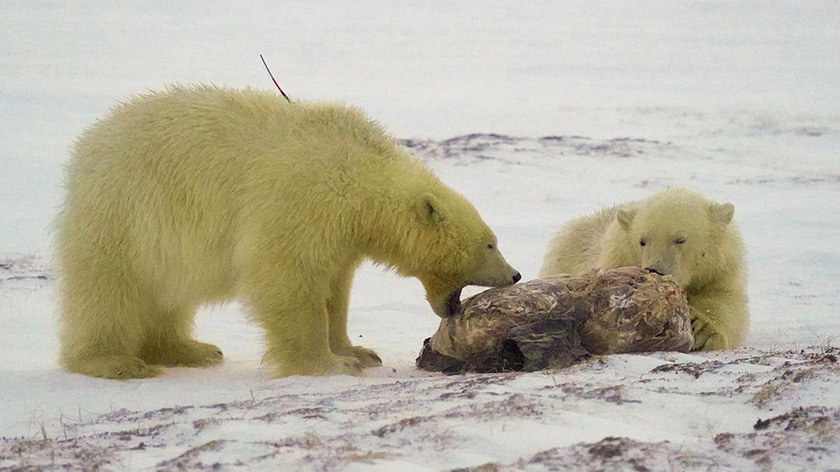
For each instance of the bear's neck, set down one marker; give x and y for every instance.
(388, 229)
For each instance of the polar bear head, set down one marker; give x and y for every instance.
(678, 232)
(450, 247)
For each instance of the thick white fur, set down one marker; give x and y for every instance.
(708, 263)
(199, 194)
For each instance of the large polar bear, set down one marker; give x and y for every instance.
(201, 194)
(676, 232)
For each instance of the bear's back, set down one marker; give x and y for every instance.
(204, 141)
(230, 124)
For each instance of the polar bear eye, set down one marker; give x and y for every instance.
(642, 242)
(491, 246)
(679, 240)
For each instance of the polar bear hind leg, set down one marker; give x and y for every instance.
(102, 328)
(168, 342)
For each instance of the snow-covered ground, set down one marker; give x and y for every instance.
(535, 111)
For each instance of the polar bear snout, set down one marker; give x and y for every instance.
(511, 277)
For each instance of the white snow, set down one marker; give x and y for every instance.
(737, 99)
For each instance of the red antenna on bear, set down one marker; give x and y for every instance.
(273, 80)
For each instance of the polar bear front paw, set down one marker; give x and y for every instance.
(327, 365)
(344, 365)
(367, 357)
(706, 338)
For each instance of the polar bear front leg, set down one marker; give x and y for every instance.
(710, 322)
(168, 341)
(297, 330)
(337, 307)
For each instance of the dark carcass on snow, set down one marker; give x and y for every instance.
(553, 322)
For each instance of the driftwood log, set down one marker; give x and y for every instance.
(553, 322)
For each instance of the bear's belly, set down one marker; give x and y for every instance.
(182, 275)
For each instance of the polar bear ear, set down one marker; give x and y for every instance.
(722, 212)
(429, 209)
(625, 218)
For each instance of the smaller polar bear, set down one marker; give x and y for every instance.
(675, 232)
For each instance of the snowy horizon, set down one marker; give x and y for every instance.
(738, 100)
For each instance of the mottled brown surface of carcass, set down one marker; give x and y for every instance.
(555, 321)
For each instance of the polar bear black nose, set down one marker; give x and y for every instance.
(517, 277)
